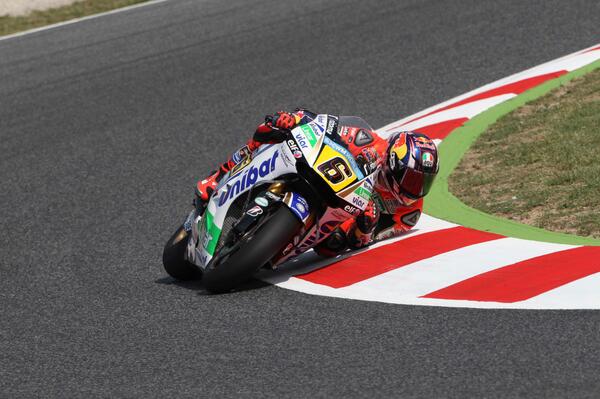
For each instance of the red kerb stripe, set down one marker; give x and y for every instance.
(393, 256)
(515, 87)
(592, 49)
(442, 129)
(526, 279)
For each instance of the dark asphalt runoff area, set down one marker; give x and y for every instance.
(106, 124)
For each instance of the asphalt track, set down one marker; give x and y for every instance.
(104, 126)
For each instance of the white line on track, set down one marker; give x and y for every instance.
(76, 20)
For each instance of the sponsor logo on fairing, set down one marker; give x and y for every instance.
(261, 201)
(317, 128)
(359, 202)
(294, 148)
(254, 211)
(330, 127)
(207, 239)
(351, 209)
(347, 155)
(309, 133)
(363, 192)
(301, 139)
(249, 178)
(241, 154)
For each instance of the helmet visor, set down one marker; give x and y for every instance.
(416, 184)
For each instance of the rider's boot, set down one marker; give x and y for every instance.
(205, 188)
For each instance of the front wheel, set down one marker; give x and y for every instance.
(174, 257)
(255, 250)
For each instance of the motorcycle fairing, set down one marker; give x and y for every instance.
(266, 166)
(310, 137)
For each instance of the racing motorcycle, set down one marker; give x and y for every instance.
(275, 204)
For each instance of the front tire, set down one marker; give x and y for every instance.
(174, 260)
(266, 242)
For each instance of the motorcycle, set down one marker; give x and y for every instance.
(275, 204)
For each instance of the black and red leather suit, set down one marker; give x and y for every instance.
(384, 217)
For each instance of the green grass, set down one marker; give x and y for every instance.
(36, 19)
(540, 164)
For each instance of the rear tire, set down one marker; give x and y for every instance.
(174, 260)
(266, 242)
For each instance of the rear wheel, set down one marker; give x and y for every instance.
(252, 252)
(174, 257)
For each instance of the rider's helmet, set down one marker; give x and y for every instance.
(411, 166)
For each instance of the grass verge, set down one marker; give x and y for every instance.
(540, 164)
(35, 19)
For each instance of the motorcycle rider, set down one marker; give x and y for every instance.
(408, 161)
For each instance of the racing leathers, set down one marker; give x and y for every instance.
(384, 217)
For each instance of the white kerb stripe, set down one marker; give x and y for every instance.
(578, 294)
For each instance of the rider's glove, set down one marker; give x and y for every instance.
(283, 120)
(273, 130)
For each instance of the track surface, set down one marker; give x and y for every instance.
(104, 125)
